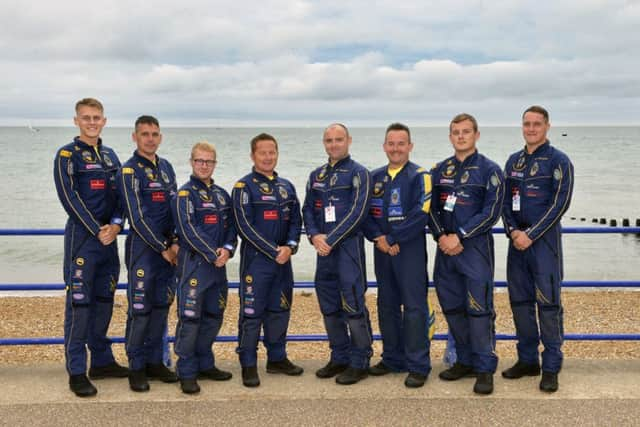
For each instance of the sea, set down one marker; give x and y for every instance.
(606, 160)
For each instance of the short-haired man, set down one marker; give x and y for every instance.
(84, 173)
(147, 187)
(204, 224)
(267, 215)
(335, 207)
(539, 180)
(467, 199)
(400, 202)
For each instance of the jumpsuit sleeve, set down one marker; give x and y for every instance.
(63, 170)
(418, 215)
(310, 224)
(483, 220)
(231, 234)
(508, 219)
(358, 211)
(435, 223)
(189, 231)
(295, 224)
(560, 199)
(243, 215)
(130, 196)
(119, 214)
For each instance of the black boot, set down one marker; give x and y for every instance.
(484, 383)
(112, 370)
(549, 382)
(284, 367)
(331, 370)
(520, 370)
(138, 381)
(81, 386)
(250, 376)
(457, 371)
(352, 375)
(215, 374)
(157, 371)
(189, 386)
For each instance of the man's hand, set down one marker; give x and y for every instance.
(381, 244)
(450, 244)
(394, 250)
(284, 254)
(521, 240)
(319, 241)
(108, 233)
(169, 256)
(223, 256)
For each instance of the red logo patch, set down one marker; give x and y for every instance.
(270, 215)
(158, 196)
(376, 212)
(211, 219)
(318, 204)
(97, 184)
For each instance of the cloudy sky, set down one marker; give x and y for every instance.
(310, 62)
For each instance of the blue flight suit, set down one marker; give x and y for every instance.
(539, 188)
(204, 223)
(85, 181)
(340, 278)
(467, 200)
(147, 189)
(267, 215)
(400, 211)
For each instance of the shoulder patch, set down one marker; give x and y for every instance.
(239, 184)
(420, 170)
(65, 153)
(127, 171)
(183, 193)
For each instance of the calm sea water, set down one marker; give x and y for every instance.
(605, 158)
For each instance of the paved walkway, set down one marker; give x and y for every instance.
(592, 392)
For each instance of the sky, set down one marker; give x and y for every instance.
(308, 63)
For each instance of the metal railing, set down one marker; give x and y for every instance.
(310, 285)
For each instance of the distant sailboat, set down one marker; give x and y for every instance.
(32, 129)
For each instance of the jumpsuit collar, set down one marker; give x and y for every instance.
(470, 159)
(194, 180)
(339, 162)
(83, 144)
(263, 177)
(146, 161)
(541, 148)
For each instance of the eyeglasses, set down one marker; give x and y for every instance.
(203, 162)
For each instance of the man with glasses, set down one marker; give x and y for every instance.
(205, 226)
(267, 216)
(85, 177)
(147, 187)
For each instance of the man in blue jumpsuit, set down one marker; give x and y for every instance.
(539, 185)
(400, 202)
(147, 186)
(84, 173)
(267, 216)
(468, 190)
(335, 207)
(204, 224)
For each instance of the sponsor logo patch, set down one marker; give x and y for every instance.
(158, 196)
(211, 219)
(97, 184)
(270, 215)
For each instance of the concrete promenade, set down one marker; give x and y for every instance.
(592, 392)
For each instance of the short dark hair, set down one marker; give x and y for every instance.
(262, 137)
(147, 120)
(461, 118)
(537, 109)
(398, 126)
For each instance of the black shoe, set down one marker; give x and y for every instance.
(284, 367)
(189, 386)
(379, 369)
(484, 383)
(138, 380)
(331, 370)
(157, 371)
(414, 380)
(352, 376)
(250, 376)
(112, 370)
(215, 374)
(81, 386)
(520, 370)
(549, 382)
(457, 371)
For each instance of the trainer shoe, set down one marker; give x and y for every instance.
(484, 383)
(138, 381)
(414, 380)
(81, 386)
(549, 382)
(521, 369)
(189, 386)
(352, 375)
(379, 369)
(284, 367)
(457, 371)
(215, 374)
(112, 370)
(250, 376)
(331, 370)
(157, 371)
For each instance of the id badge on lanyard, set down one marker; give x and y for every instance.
(330, 213)
(450, 203)
(515, 201)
